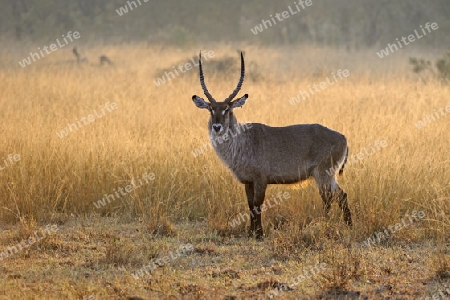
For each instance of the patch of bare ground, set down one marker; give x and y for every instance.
(101, 258)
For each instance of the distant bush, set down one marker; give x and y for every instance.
(442, 70)
(225, 67)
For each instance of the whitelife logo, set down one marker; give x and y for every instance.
(322, 85)
(183, 249)
(265, 24)
(169, 75)
(131, 4)
(441, 294)
(53, 47)
(49, 230)
(240, 128)
(433, 117)
(378, 145)
(391, 48)
(71, 127)
(12, 158)
(307, 274)
(258, 210)
(128, 189)
(379, 236)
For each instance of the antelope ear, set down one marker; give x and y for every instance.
(199, 102)
(239, 102)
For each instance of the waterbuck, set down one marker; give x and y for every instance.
(263, 155)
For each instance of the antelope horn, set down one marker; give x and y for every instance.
(241, 80)
(202, 81)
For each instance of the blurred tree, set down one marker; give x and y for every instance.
(350, 23)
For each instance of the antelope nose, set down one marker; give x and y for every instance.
(217, 127)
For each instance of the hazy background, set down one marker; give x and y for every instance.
(194, 198)
(351, 23)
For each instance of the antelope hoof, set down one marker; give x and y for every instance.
(257, 234)
(349, 223)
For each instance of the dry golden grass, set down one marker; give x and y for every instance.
(192, 199)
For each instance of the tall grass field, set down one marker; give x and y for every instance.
(123, 169)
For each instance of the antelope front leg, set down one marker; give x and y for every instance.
(249, 191)
(259, 191)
